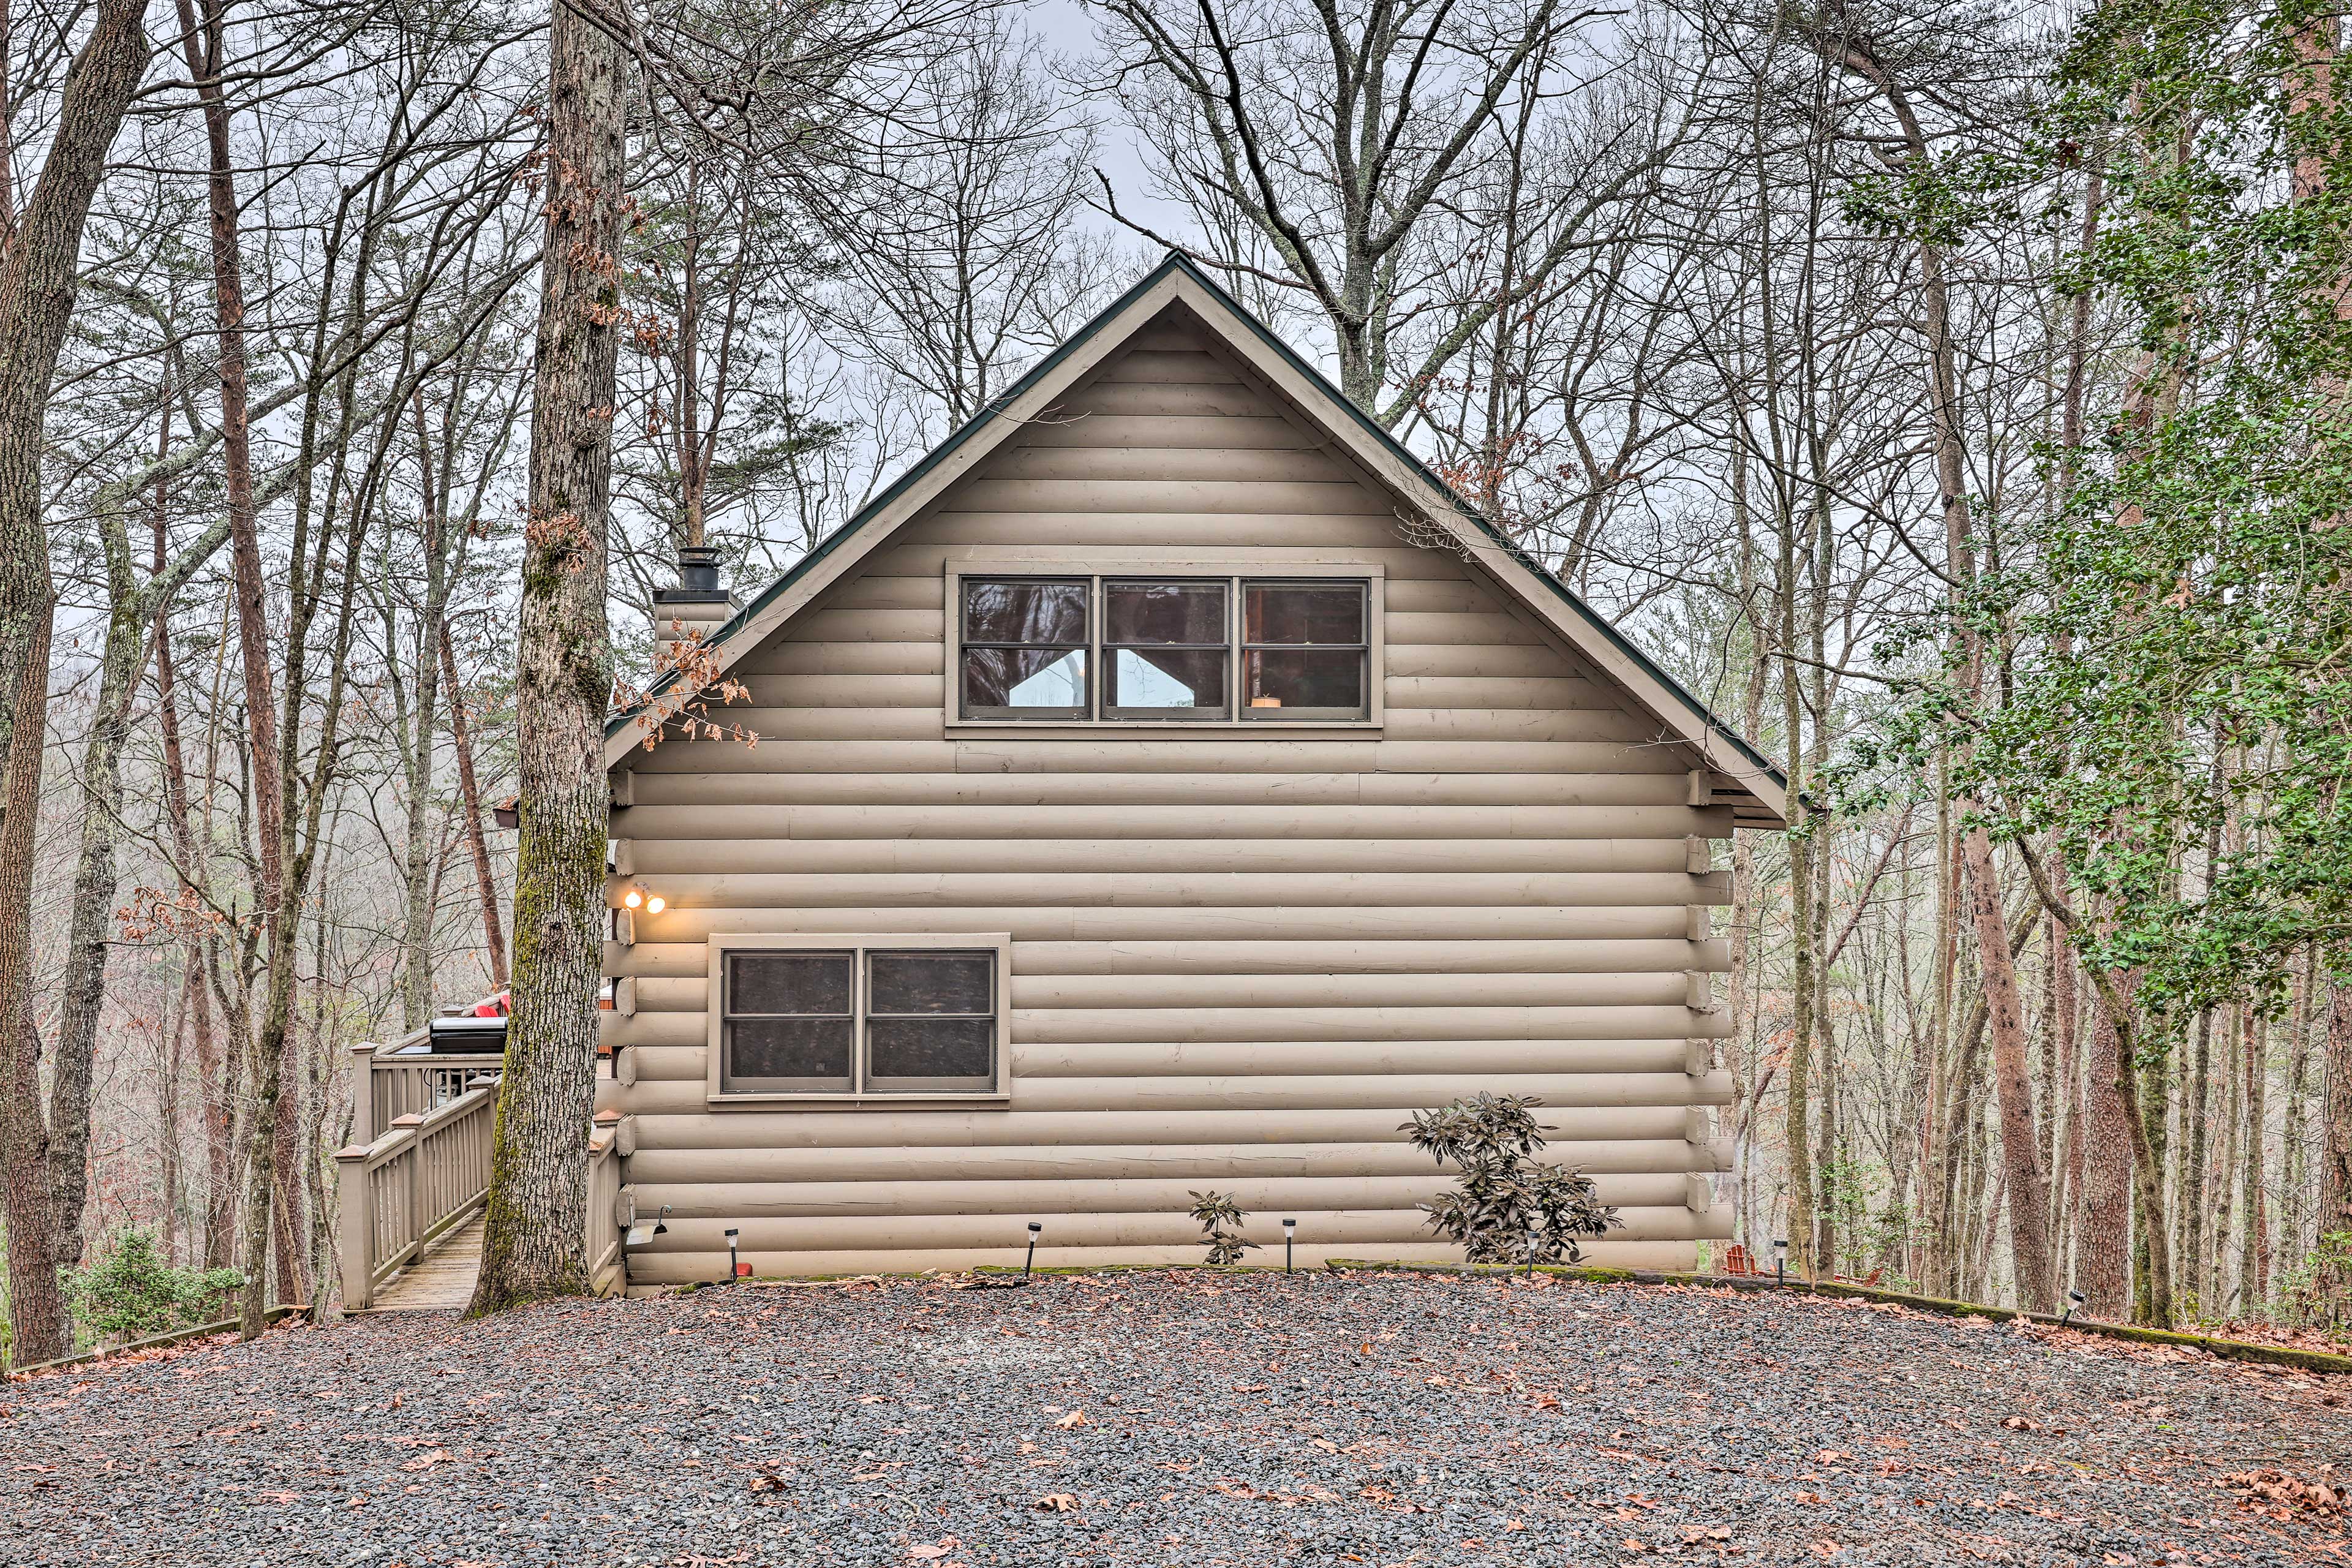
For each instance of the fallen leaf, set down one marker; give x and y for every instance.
(1074, 1419)
(1056, 1502)
(925, 1550)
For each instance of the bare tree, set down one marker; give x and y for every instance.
(42, 246)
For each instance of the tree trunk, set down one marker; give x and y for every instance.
(36, 293)
(532, 1240)
(2028, 1183)
(2335, 1219)
(470, 794)
(2254, 1252)
(87, 946)
(204, 44)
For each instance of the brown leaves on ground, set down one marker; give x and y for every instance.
(1056, 1502)
(1074, 1419)
(2282, 1494)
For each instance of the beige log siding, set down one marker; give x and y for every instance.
(1239, 960)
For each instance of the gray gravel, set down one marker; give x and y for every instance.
(1167, 1418)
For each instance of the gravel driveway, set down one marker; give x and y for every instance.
(1169, 1418)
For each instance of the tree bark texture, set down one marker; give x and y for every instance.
(2027, 1180)
(205, 46)
(36, 292)
(2336, 1137)
(533, 1243)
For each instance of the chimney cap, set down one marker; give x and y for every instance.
(698, 576)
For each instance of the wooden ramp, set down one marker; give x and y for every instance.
(443, 1280)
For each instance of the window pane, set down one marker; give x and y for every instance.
(790, 1048)
(1291, 612)
(1184, 677)
(788, 983)
(1164, 612)
(1024, 678)
(929, 982)
(1303, 678)
(1025, 612)
(930, 1047)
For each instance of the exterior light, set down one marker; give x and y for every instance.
(1036, 1230)
(1780, 1261)
(634, 899)
(736, 1268)
(1289, 1234)
(2074, 1299)
(656, 903)
(1535, 1243)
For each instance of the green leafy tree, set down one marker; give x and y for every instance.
(132, 1293)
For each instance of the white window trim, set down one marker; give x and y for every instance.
(723, 943)
(1230, 564)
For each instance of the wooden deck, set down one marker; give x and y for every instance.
(442, 1281)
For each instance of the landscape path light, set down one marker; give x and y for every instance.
(1780, 1261)
(1034, 1230)
(1289, 1234)
(734, 1265)
(2073, 1299)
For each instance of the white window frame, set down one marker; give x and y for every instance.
(858, 943)
(1233, 567)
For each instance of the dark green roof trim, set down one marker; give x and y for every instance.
(1176, 262)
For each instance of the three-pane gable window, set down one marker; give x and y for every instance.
(1166, 650)
(859, 1020)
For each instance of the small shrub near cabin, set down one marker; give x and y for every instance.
(131, 1293)
(1214, 1213)
(1507, 1206)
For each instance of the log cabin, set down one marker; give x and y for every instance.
(1168, 785)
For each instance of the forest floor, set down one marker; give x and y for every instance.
(1171, 1418)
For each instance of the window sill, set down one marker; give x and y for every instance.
(757, 1102)
(1078, 730)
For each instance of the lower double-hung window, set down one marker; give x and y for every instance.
(886, 1016)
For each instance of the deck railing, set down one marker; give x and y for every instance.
(604, 1238)
(404, 1189)
(389, 1084)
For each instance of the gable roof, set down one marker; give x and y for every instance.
(1758, 790)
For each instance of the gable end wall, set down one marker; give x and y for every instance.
(1238, 961)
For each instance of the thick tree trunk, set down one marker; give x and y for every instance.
(2335, 1220)
(532, 1243)
(2103, 1255)
(36, 292)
